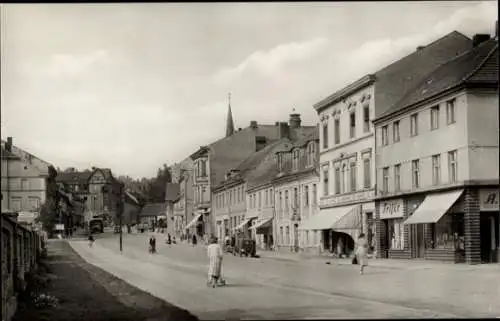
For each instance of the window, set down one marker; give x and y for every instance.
(434, 117)
(395, 132)
(452, 166)
(287, 204)
(295, 159)
(34, 202)
(295, 197)
(385, 179)
(25, 184)
(306, 195)
(397, 177)
(342, 179)
(385, 137)
(311, 154)
(414, 125)
(281, 235)
(366, 119)
(449, 232)
(325, 182)
(352, 124)
(415, 168)
(396, 234)
(260, 199)
(280, 204)
(267, 197)
(450, 111)
(325, 136)
(271, 195)
(280, 162)
(336, 128)
(315, 195)
(337, 180)
(367, 172)
(436, 169)
(353, 176)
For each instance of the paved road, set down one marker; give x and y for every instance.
(266, 288)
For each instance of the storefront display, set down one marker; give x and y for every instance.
(449, 232)
(396, 232)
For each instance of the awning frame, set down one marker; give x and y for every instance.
(259, 224)
(423, 215)
(193, 221)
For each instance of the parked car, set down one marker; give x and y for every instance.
(246, 247)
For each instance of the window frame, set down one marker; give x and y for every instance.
(414, 125)
(385, 179)
(325, 135)
(352, 124)
(353, 176)
(385, 135)
(451, 111)
(326, 180)
(367, 175)
(336, 131)
(366, 118)
(397, 177)
(453, 166)
(396, 137)
(436, 169)
(415, 172)
(435, 117)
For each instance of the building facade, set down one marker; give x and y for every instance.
(437, 164)
(347, 143)
(23, 179)
(296, 195)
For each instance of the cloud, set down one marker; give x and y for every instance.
(72, 65)
(271, 62)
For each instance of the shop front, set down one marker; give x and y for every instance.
(437, 227)
(489, 225)
(394, 234)
(339, 227)
(262, 229)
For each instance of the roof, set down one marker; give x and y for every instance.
(74, 178)
(478, 66)
(314, 135)
(131, 196)
(153, 209)
(395, 80)
(6, 154)
(266, 171)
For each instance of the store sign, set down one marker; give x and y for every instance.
(391, 209)
(347, 198)
(488, 200)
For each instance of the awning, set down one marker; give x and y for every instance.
(434, 207)
(352, 220)
(261, 223)
(242, 224)
(193, 221)
(326, 218)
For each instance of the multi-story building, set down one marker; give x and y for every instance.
(182, 174)
(24, 176)
(100, 189)
(347, 146)
(295, 192)
(437, 164)
(214, 161)
(234, 209)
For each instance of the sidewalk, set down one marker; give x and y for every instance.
(85, 292)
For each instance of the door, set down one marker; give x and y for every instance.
(420, 241)
(489, 237)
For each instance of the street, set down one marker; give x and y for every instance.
(265, 288)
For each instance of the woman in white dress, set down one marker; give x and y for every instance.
(362, 252)
(214, 253)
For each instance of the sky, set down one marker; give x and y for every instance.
(132, 86)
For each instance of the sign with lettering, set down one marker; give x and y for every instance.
(488, 200)
(391, 209)
(347, 198)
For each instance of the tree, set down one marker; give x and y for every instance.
(157, 187)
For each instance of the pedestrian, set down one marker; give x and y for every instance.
(194, 240)
(152, 244)
(169, 239)
(361, 252)
(91, 240)
(174, 241)
(214, 253)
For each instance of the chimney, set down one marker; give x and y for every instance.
(253, 123)
(420, 48)
(480, 38)
(284, 130)
(8, 145)
(294, 120)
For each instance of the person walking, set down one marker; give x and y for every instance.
(362, 252)
(152, 244)
(91, 240)
(194, 240)
(214, 253)
(169, 239)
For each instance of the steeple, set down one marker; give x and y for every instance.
(229, 122)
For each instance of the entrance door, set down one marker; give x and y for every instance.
(418, 243)
(296, 237)
(489, 235)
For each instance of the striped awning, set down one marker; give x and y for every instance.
(262, 223)
(193, 221)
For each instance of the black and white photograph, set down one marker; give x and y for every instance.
(172, 161)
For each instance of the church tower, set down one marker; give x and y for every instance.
(229, 122)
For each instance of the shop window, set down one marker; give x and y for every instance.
(396, 234)
(448, 232)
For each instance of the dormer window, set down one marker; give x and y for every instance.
(295, 162)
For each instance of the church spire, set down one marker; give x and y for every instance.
(229, 122)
